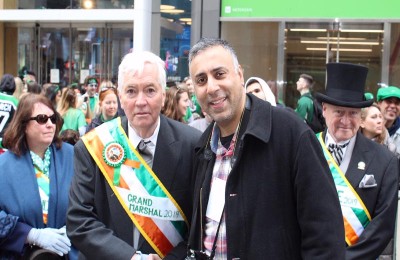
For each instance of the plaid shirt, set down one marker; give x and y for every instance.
(222, 168)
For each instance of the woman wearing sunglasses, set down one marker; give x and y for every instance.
(108, 105)
(35, 177)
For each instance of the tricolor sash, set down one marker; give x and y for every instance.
(144, 198)
(355, 215)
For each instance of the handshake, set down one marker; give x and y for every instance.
(52, 239)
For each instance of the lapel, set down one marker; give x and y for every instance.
(361, 153)
(167, 153)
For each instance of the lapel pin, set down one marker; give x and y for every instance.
(361, 165)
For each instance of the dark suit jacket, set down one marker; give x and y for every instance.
(96, 222)
(381, 200)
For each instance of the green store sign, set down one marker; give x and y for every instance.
(343, 9)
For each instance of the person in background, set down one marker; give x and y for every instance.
(373, 124)
(365, 173)
(34, 195)
(8, 104)
(305, 106)
(33, 87)
(176, 103)
(19, 88)
(91, 98)
(369, 96)
(131, 196)
(201, 124)
(108, 104)
(70, 136)
(194, 104)
(389, 102)
(260, 89)
(73, 118)
(53, 93)
(257, 194)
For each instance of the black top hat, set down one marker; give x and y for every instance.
(345, 85)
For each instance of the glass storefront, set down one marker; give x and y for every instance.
(309, 46)
(68, 53)
(75, 4)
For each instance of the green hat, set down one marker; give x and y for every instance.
(391, 91)
(368, 95)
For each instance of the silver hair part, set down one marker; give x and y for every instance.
(135, 61)
(206, 43)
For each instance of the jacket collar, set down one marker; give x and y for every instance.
(260, 129)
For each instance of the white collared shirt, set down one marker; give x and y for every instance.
(135, 138)
(347, 151)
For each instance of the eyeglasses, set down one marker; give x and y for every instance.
(42, 119)
(93, 85)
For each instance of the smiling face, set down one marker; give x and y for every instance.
(372, 124)
(38, 136)
(390, 108)
(142, 98)
(219, 86)
(342, 122)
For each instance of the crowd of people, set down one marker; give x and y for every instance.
(213, 167)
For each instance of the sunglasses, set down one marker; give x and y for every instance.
(42, 119)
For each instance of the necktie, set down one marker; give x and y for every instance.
(145, 152)
(337, 151)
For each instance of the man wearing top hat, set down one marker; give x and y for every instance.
(365, 173)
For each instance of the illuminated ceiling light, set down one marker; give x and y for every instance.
(189, 23)
(342, 38)
(173, 11)
(344, 43)
(340, 50)
(361, 31)
(308, 30)
(186, 20)
(170, 20)
(88, 4)
(167, 7)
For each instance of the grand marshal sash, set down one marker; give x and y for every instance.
(355, 215)
(144, 198)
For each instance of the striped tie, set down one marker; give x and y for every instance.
(337, 152)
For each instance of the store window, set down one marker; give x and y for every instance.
(175, 37)
(309, 46)
(69, 53)
(394, 61)
(75, 4)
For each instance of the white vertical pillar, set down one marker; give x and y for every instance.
(142, 25)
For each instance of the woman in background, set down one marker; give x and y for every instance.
(73, 118)
(373, 127)
(53, 93)
(176, 103)
(108, 106)
(34, 195)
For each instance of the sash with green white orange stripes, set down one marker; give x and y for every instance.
(144, 198)
(355, 215)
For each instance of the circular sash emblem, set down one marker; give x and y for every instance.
(114, 154)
